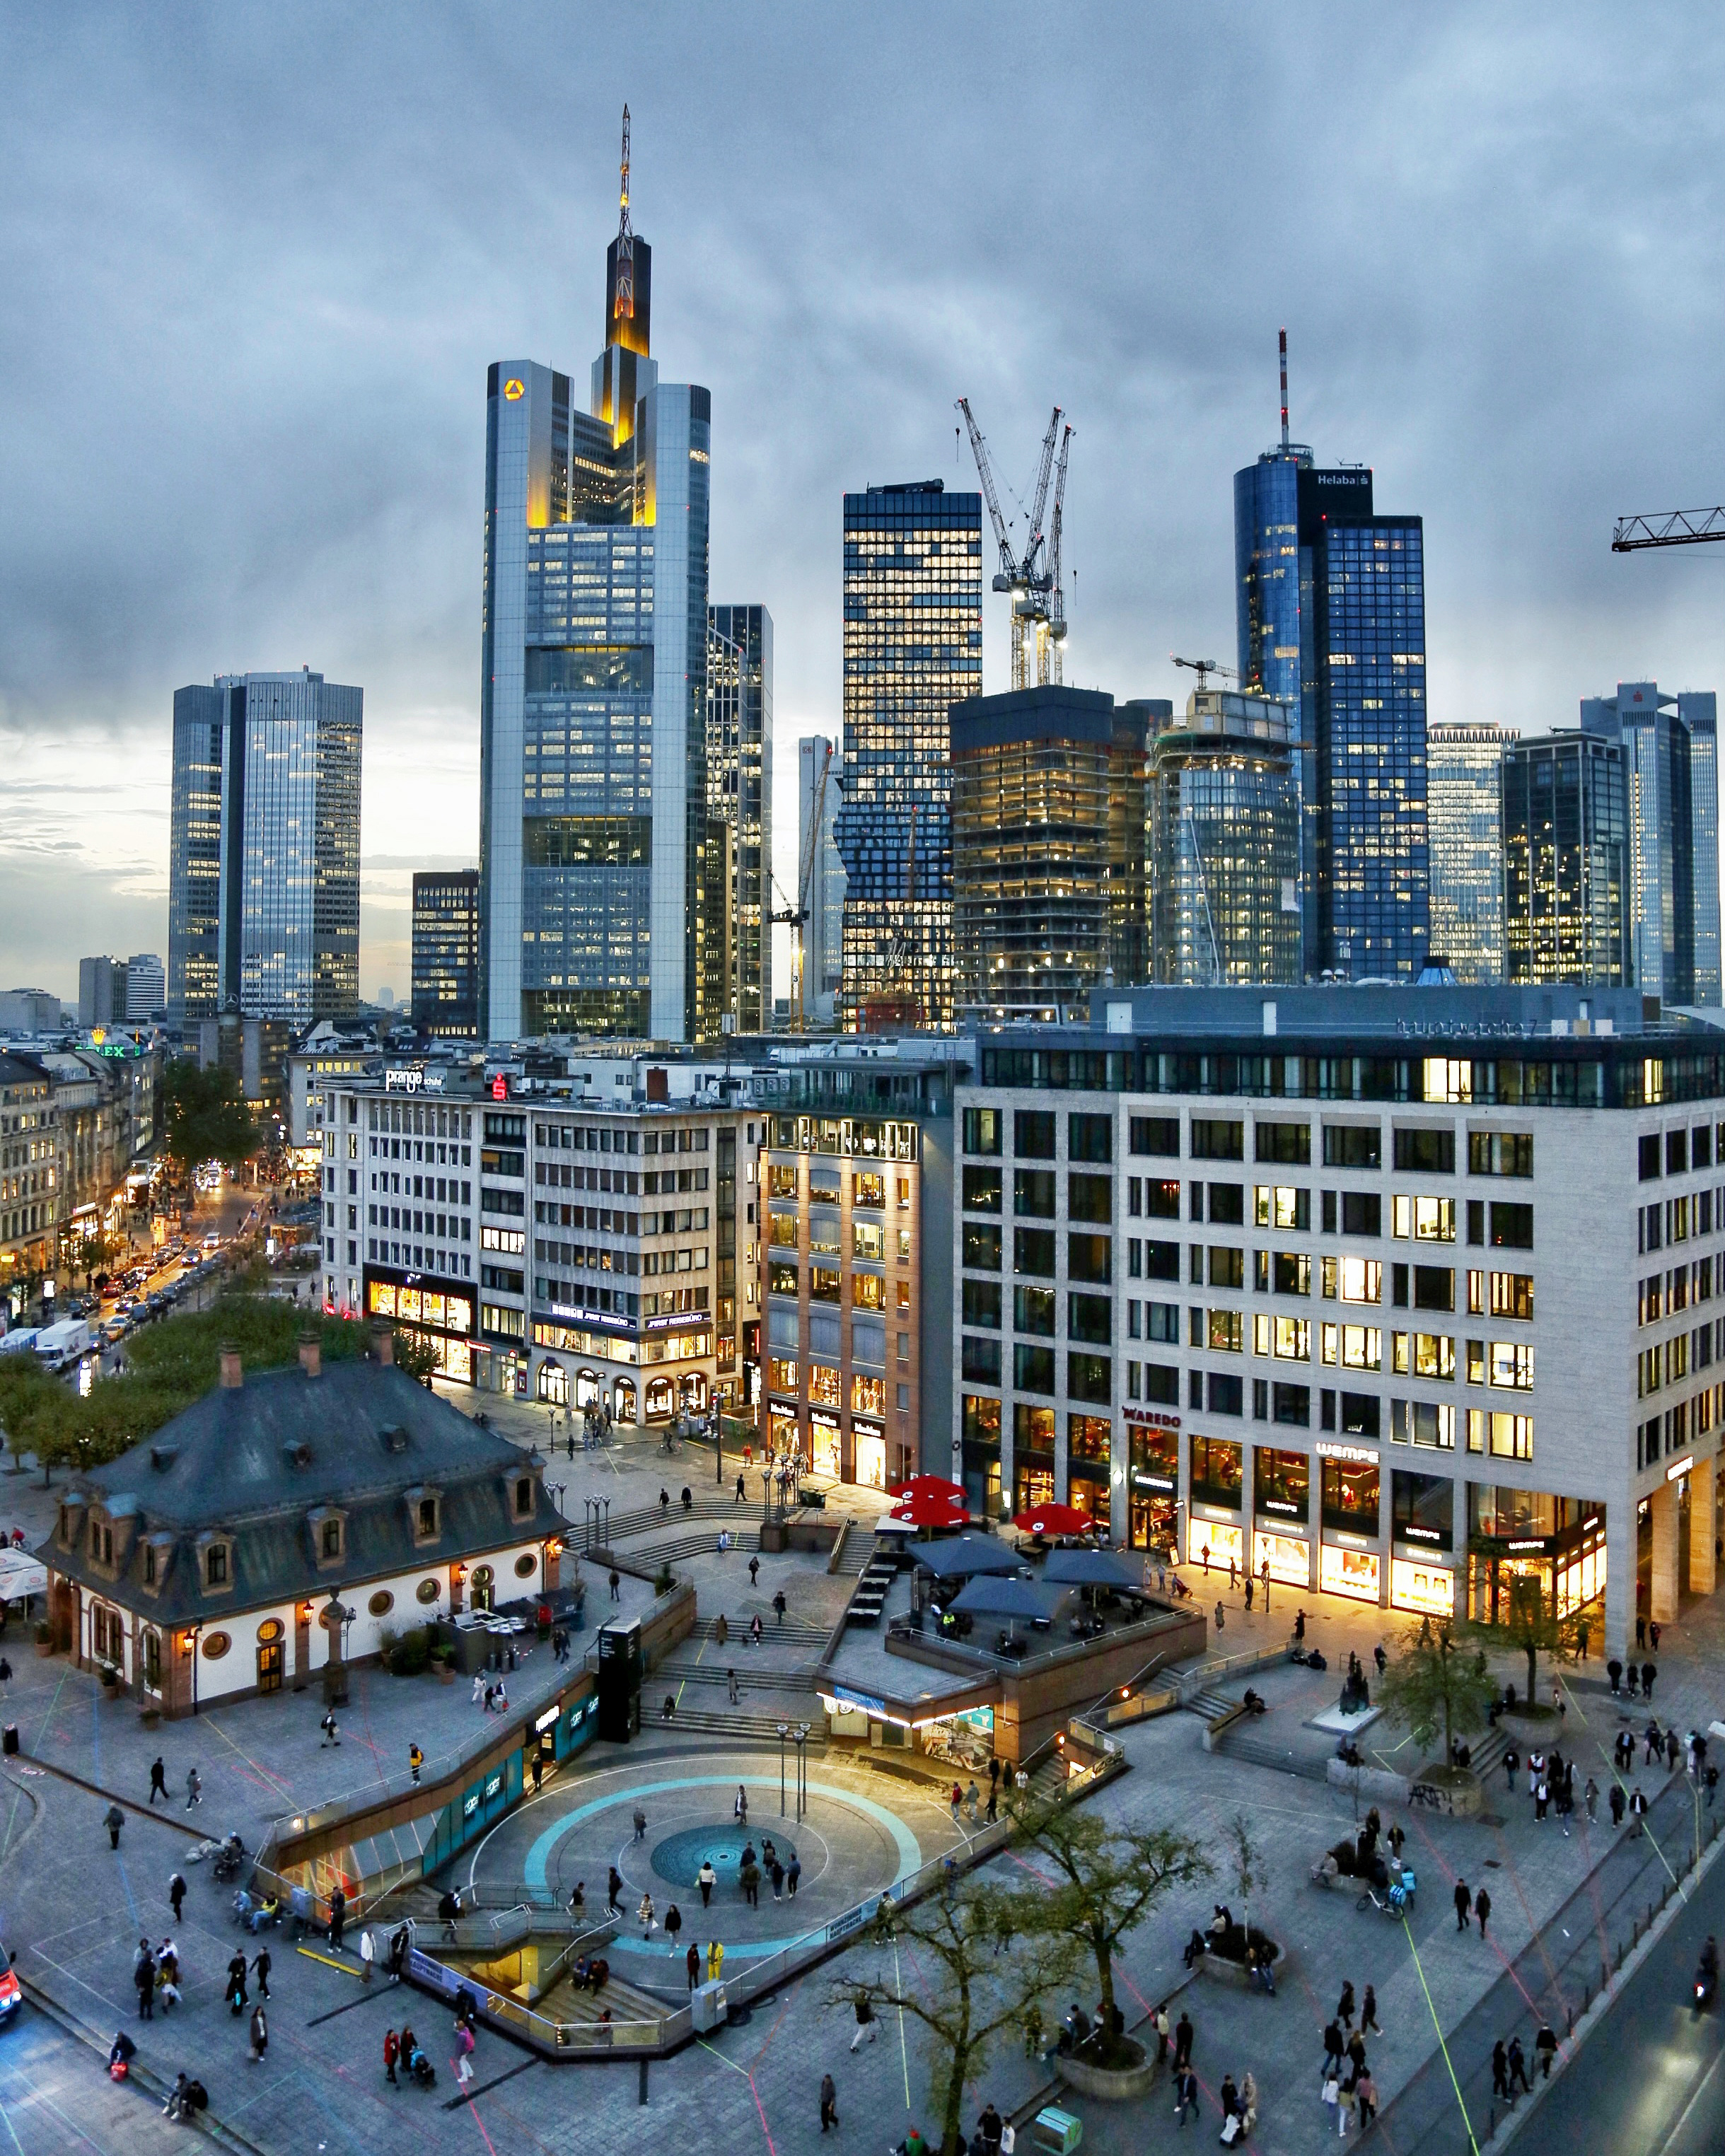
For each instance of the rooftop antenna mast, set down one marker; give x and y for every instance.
(626, 249)
(1283, 334)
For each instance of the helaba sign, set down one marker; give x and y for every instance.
(414, 1078)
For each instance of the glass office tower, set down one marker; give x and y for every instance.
(1223, 845)
(266, 791)
(913, 647)
(594, 901)
(1330, 616)
(446, 953)
(1464, 809)
(1670, 780)
(822, 932)
(1565, 861)
(739, 793)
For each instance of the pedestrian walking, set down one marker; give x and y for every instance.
(1299, 1628)
(1335, 2051)
(368, 1954)
(673, 1924)
(616, 1584)
(1590, 1797)
(1616, 1803)
(416, 1760)
(158, 1780)
(754, 1570)
(1545, 2049)
(1161, 2021)
(1648, 1674)
(1638, 1810)
(1712, 1780)
(1511, 1761)
(1264, 1582)
(1672, 1747)
(1640, 1631)
(738, 1498)
(479, 1688)
(867, 2027)
(958, 1801)
(714, 1960)
(740, 1809)
(1653, 1636)
(1185, 2094)
(1182, 2041)
(176, 1894)
(1542, 1798)
(1249, 1595)
(338, 1917)
(640, 1823)
(779, 1606)
(1365, 2090)
(463, 2051)
(731, 1680)
(1464, 1902)
(1205, 1554)
(260, 1969)
(392, 2052)
(1369, 2014)
(792, 1873)
(1232, 1576)
(972, 1799)
(1482, 1909)
(1500, 2071)
(1614, 1672)
(259, 2034)
(829, 2103)
(1518, 2067)
(644, 1916)
(1344, 2006)
(707, 1879)
(991, 2126)
(1221, 1616)
(691, 1962)
(113, 1819)
(143, 1979)
(237, 1998)
(194, 1787)
(331, 1733)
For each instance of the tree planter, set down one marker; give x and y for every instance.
(45, 1647)
(1455, 1791)
(446, 1673)
(1221, 1968)
(1120, 2084)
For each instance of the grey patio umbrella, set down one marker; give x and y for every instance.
(1004, 1598)
(1090, 1568)
(965, 1556)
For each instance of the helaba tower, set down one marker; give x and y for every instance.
(594, 835)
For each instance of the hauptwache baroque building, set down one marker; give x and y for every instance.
(1399, 1293)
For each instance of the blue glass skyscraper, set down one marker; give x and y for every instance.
(1331, 612)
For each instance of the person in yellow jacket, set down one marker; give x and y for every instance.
(714, 1960)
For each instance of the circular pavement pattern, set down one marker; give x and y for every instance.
(679, 1857)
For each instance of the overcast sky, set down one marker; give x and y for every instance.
(254, 262)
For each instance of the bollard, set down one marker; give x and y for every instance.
(642, 2097)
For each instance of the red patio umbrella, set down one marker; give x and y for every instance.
(929, 1485)
(1054, 1520)
(931, 1512)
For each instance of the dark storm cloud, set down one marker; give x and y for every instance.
(256, 260)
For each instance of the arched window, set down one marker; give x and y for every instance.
(587, 1388)
(692, 1392)
(553, 1383)
(658, 1399)
(625, 1399)
(481, 1581)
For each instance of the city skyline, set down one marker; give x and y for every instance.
(376, 329)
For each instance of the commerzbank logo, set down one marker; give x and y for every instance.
(514, 391)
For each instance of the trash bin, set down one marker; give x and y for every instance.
(9, 1741)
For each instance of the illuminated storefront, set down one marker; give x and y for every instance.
(1153, 1479)
(437, 1316)
(1358, 1574)
(980, 1438)
(1424, 1585)
(1288, 1558)
(1528, 1534)
(869, 1443)
(1033, 1461)
(827, 1443)
(1090, 1442)
(1215, 1541)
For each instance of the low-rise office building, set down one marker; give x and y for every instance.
(585, 1235)
(858, 1259)
(1402, 1294)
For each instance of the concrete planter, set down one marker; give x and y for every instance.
(1456, 1792)
(1111, 2084)
(1219, 1969)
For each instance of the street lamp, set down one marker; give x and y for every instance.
(784, 1731)
(801, 1735)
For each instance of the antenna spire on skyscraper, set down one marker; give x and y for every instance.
(626, 250)
(1283, 334)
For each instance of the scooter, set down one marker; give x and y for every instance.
(1706, 1983)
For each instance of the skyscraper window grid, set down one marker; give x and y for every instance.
(912, 595)
(1463, 780)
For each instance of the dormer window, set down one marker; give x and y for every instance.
(524, 1498)
(215, 1565)
(428, 1515)
(149, 1564)
(330, 1539)
(101, 1542)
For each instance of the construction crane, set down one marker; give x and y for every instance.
(1204, 668)
(1051, 636)
(1672, 527)
(795, 917)
(1027, 579)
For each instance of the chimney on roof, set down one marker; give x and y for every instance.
(311, 1354)
(383, 1344)
(232, 1379)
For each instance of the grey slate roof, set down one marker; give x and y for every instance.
(255, 1462)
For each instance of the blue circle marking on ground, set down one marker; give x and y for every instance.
(535, 1872)
(680, 1857)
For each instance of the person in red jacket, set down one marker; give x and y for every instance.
(392, 2052)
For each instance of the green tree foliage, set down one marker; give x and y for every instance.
(203, 1118)
(1435, 1684)
(415, 1354)
(1105, 1882)
(1532, 1627)
(950, 1973)
(171, 1363)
